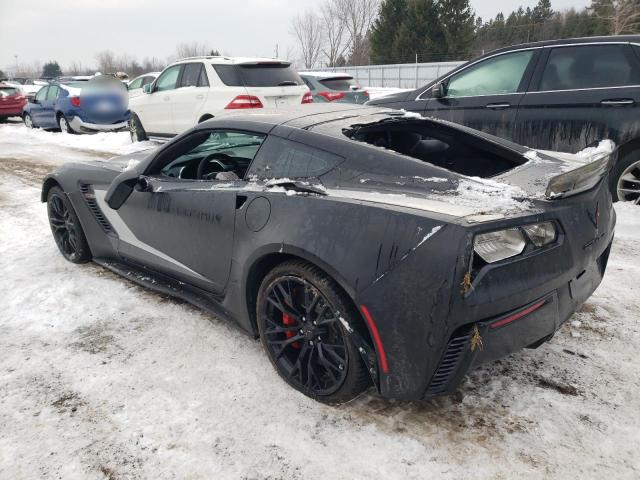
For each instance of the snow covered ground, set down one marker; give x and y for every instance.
(101, 379)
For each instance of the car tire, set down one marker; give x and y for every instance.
(136, 130)
(624, 179)
(311, 350)
(63, 124)
(65, 227)
(28, 121)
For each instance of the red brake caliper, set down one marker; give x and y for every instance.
(287, 320)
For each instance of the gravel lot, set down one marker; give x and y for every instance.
(100, 378)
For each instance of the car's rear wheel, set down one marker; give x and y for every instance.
(28, 122)
(625, 179)
(66, 227)
(136, 130)
(300, 312)
(63, 123)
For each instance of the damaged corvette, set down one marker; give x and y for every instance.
(363, 246)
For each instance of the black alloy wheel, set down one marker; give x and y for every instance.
(66, 228)
(300, 313)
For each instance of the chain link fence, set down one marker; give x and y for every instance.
(403, 75)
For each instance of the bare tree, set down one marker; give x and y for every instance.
(307, 28)
(334, 45)
(623, 16)
(358, 17)
(192, 49)
(106, 61)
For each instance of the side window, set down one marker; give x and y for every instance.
(137, 83)
(280, 158)
(168, 79)
(190, 75)
(52, 94)
(204, 155)
(592, 66)
(497, 75)
(203, 81)
(42, 94)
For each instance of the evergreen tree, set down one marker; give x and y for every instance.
(421, 33)
(51, 70)
(457, 19)
(385, 28)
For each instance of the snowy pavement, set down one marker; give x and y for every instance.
(100, 378)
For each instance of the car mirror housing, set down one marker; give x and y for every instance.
(437, 91)
(121, 188)
(147, 88)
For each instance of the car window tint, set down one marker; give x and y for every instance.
(147, 80)
(52, 94)
(168, 79)
(497, 75)
(8, 91)
(203, 81)
(593, 66)
(280, 158)
(258, 75)
(42, 94)
(137, 83)
(342, 84)
(239, 147)
(308, 83)
(190, 75)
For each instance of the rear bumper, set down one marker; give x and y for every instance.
(11, 111)
(426, 318)
(80, 125)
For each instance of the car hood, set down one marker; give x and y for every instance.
(123, 162)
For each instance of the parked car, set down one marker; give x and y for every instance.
(12, 101)
(93, 106)
(29, 86)
(334, 87)
(557, 95)
(195, 89)
(354, 264)
(136, 85)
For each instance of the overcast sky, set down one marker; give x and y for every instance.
(68, 30)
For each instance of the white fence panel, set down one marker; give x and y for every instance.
(403, 75)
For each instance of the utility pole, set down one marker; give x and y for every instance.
(16, 74)
(277, 56)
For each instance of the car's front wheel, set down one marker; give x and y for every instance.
(28, 122)
(300, 312)
(66, 228)
(136, 130)
(625, 179)
(63, 123)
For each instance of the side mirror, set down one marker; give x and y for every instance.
(147, 88)
(122, 187)
(437, 91)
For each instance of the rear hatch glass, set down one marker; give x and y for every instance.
(258, 75)
(341, 84)
(8, 91)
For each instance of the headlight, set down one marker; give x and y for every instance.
(541, 234)
(580, 179)
(495, 246)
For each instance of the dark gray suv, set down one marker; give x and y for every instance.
(558, 95)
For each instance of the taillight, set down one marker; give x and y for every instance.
(332, 96)
(365, 93)
(75, 101)
(307, 98)
(244, 101)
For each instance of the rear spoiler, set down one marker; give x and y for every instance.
(592, 164)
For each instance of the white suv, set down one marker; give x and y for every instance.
(195, 89)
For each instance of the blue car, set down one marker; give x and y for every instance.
(98, 105)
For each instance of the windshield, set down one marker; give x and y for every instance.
(258, 75)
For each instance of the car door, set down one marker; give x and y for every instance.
(580, 94)
(190, 96)
(182, 226)
(486, 94)
(48, 112)
(155, 109)
(35, 108)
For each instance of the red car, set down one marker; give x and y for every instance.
(12, 101)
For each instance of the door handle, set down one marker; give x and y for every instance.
(498, 106)
(166, 99)
(199, 97)
(618, 103)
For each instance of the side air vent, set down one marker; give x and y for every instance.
(448, 364)
(90, 198)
